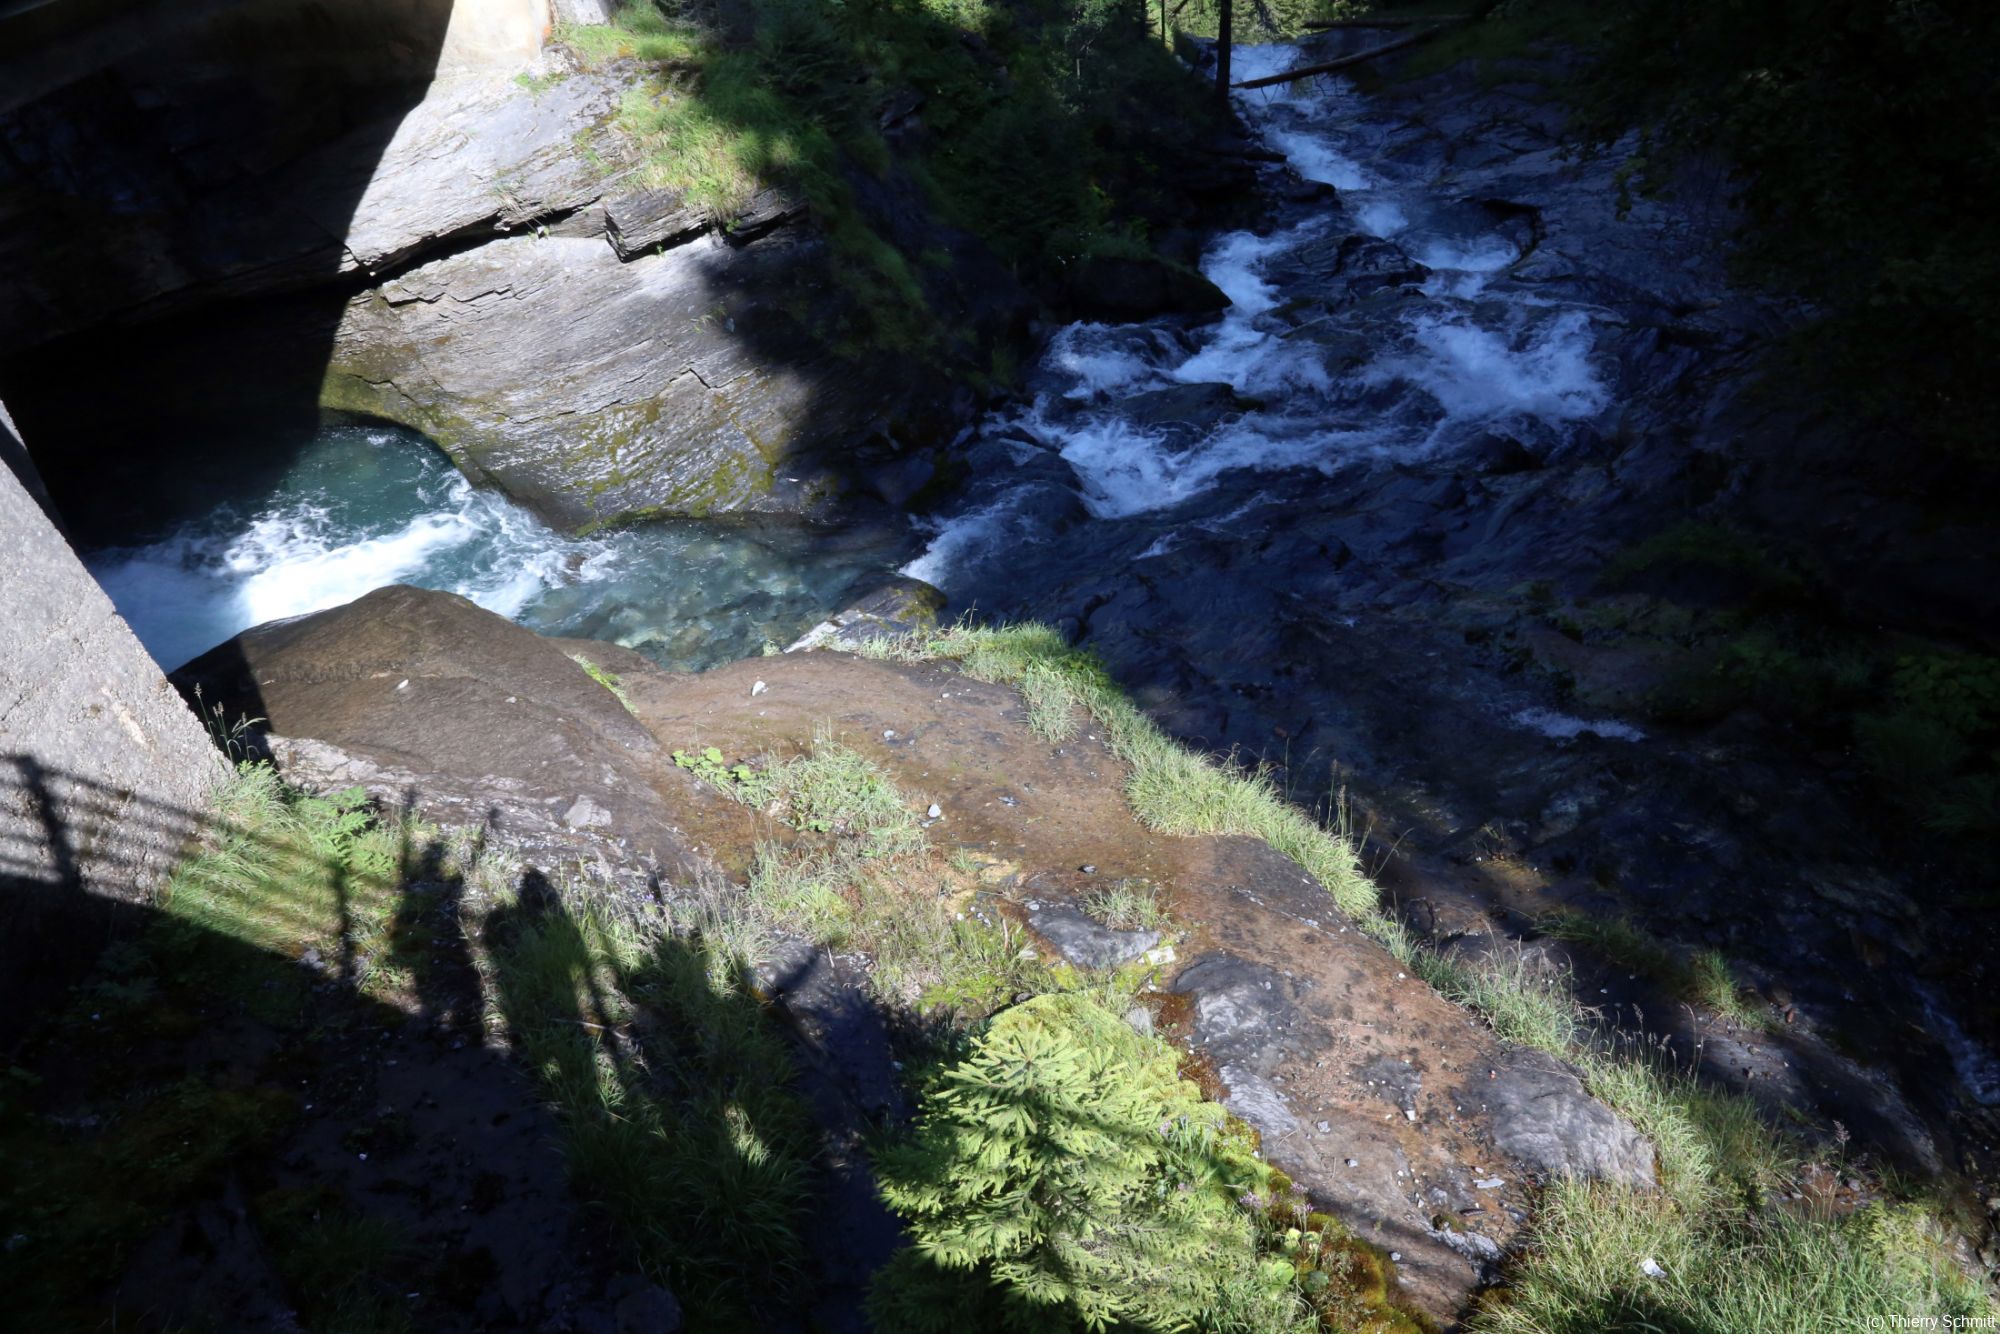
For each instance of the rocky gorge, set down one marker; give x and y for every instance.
(1424, 496)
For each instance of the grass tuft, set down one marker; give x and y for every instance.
(609, 680)
(1171, 788)
(1129, 905)
(1705, 978)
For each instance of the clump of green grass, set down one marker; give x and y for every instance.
(1704, 978)
(1525, 1004)
(674, 1089)
(637, 32)
(1129, 905)
(285, 869)
(609, 680)
(832, 790)
(858, 872)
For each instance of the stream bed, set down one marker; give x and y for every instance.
(359, 508)
(1354, 529)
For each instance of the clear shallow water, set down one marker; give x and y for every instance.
(361, 508)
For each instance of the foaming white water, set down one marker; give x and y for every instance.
(1566, 727)
(1381, 217)
(1317, 160)
(287, 564)
(1239, 352)
(954, 538)
(357, 511)
(1543, 369)
(1125, 471)
(210, 580)
(1483, 254)
(1107, 358)
(1466, 353)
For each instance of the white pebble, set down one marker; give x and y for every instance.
(758, 689)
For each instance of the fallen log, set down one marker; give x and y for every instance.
(1328, 67)
(1387, 21)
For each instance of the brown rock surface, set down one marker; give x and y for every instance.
(1394, 1108)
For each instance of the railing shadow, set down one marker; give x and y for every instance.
(354, 1030)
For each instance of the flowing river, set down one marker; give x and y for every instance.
(1335, 527)
(363, 507)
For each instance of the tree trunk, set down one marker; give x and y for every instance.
(1387, 21)
(1328, 67)
(1222, 40)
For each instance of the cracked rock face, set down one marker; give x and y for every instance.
(592, 389)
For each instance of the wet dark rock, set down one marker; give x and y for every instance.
(1126, 288)
(643, 1308)
(1244, 1013)
(1369, 264)
(1088, 943)
(1500, 455)
(1198, 406)
(903, 606)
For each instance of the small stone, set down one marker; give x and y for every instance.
(1409, 1113)
(1490, 1183)
(1351, 1162)
(1395, 1257)
(935, 811)
(758, 689)
(643, 1308)
(888, 734)
(1087, 869)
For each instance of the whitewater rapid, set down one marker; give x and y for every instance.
(1462, 360)
(362, 508)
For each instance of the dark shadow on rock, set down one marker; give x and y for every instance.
(206, 1133)
(157, 157)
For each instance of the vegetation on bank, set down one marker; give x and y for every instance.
(1043, 129)
(1736, 1246)
(1062, 1172)
(309, 937)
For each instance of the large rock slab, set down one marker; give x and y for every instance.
(592, 390)
(1394, 1108)
(436, 705)
(175, 154)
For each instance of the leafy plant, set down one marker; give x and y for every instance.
(1066, 1172)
